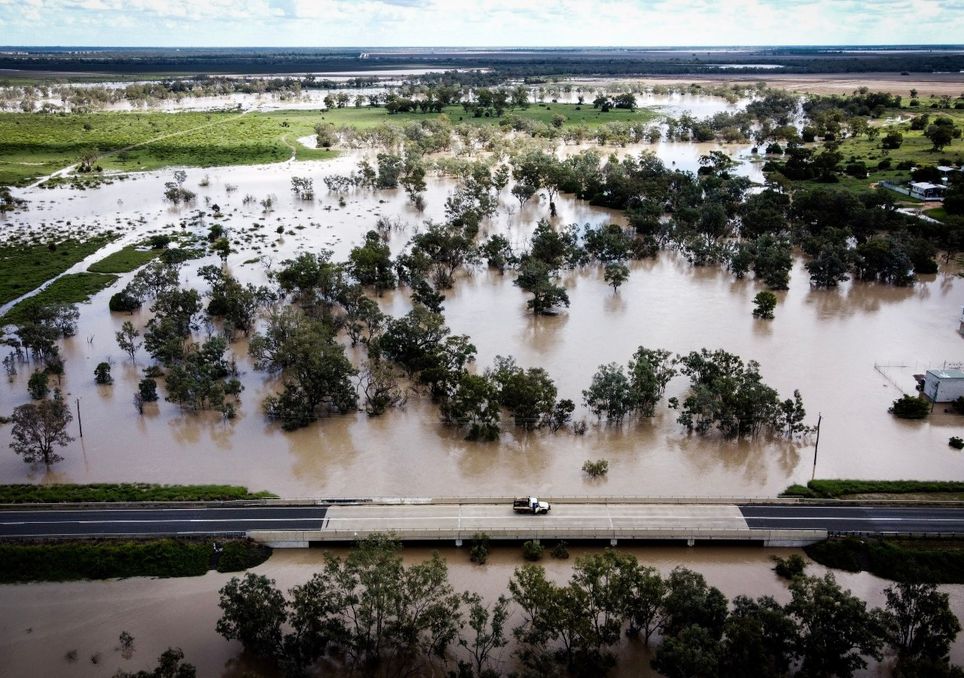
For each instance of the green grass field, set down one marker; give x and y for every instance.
(69, 289)
(915, 147)
(33, 145)
(25, 267)
(838, 489)
(125, 260)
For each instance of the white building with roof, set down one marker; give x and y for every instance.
(944, 385)
(924, 190)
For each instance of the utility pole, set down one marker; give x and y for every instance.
(80, 423)
(816, 446)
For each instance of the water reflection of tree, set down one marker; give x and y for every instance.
(750, 458)
(543, 333)
(860, 297)
(187, 428)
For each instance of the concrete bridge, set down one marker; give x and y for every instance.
(294, 524)
(571, 522)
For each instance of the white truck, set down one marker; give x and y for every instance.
(530, 505)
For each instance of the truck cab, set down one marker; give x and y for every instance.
(530, 505)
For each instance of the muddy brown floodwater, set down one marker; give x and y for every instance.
(41, 623)
(824, 342)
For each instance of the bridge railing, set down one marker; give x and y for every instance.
(548, 532)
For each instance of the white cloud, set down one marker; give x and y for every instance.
(482, 22)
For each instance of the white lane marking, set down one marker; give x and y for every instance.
(923, 519)
(108, 509)
(152, 522)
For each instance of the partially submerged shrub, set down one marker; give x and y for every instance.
(790, 567)
(532, 550)
(596, 469)
(911, 407)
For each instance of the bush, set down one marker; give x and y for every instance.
(596, 469)
(532, 550)
(956, 442)
(790, 567)
(123, 302)
(102, 374)
(160, 241)
(958, 405)
(764, 303)
(560, 551)
(37, 385)
(892, 141)
(147, 390)
(885, 164)
(479, 552)
(797, 491)
(911, 407)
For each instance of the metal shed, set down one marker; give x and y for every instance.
(944, 386)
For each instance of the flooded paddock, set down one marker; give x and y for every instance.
(825, 343)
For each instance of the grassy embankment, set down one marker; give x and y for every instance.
(24, 267)
(35, 144)
(125, 260)
(33, 261)
(917, 560)
(116, 492)
(69, 289)
(850, 489)
(107, 559)
(913, 560)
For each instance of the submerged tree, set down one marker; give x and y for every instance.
(609, 393)
(615, 274)
(529, 395)
(39, 428)
(535, 277)
(127, 339)
(763, 304)
(836, 631)
(919, 621)
(316, 374)
(728, 394)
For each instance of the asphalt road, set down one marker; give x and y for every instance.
(25, 522)
(158, 521)
(877, 519)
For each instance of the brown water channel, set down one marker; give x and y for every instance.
(41, 623)
(825, 343)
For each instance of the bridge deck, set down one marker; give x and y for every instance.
(457, 522)
(298, 525)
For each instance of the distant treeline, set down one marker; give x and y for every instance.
(514, 63)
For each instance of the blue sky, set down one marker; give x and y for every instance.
(329, 23)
